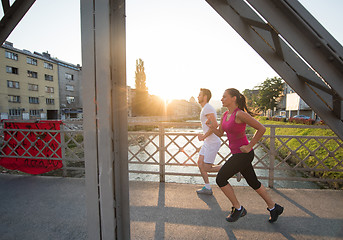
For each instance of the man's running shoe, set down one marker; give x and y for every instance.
(238, 176)
(205, 190)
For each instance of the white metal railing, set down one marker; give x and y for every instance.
(171, 149)
(273, 153)
(70, 143)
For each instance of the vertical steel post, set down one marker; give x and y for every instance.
(162, 152)
(272, 157)
(63, 150)
(119, 117)
(105, 118)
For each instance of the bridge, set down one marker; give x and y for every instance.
(55, 208)
(161, 205)
(296, 46)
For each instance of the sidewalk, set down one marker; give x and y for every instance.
(54, 208)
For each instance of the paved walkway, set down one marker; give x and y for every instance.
(54, 208)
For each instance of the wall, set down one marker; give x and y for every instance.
(24, 81)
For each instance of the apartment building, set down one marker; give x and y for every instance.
(293, 105)
(28, 85)
(183, 108)
(70, 87)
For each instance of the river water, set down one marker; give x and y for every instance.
(185, 157)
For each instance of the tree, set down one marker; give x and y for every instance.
(140, 99)
(251, 97)
(140, 77)
(269, 91)
(156, 106)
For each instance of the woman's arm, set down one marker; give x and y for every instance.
(260, 129)
(214, 127)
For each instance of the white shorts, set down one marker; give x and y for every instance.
(209, 151)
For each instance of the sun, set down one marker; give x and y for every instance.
(167, 97)
(170, 92)
(166, 94)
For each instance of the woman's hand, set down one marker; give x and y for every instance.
(245, 148)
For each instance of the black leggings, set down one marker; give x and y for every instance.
(239, 162)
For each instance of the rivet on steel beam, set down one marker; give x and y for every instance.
(318, 44)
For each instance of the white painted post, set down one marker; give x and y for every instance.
(105, 118)
(119, 117)
(162, 152)
(90, 120)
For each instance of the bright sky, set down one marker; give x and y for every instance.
(184, 44)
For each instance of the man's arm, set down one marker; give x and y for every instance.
(210, 118)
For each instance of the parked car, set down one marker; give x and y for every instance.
(279, 118)
(301, 117)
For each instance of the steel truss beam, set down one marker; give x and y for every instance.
(12, 16)
(296, 46)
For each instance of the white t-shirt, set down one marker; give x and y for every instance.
(207, 109)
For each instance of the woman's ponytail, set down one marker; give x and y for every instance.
(240, 99)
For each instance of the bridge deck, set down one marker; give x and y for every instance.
(54, 208)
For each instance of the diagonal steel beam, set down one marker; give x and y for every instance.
(315, 84)
(307, 36)
(12, 16)
(5, 5)
(235, 12)
(267, 27)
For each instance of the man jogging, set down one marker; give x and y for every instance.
(212, 142)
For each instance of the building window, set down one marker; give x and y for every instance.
(12, 84)
(50, 101)
(33, 87)
(14, 99)
(31, 61)
(69, 76)
(48, 65)
(70, 99)
(14, 112)
(49, 77)
(12, 70)
(11, 55)
(49, 89)
(70, 88)
(32, 74)
(34, 113)
(34, 100)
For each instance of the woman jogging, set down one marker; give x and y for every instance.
(233, 122)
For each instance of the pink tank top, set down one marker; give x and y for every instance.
(235, 132)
